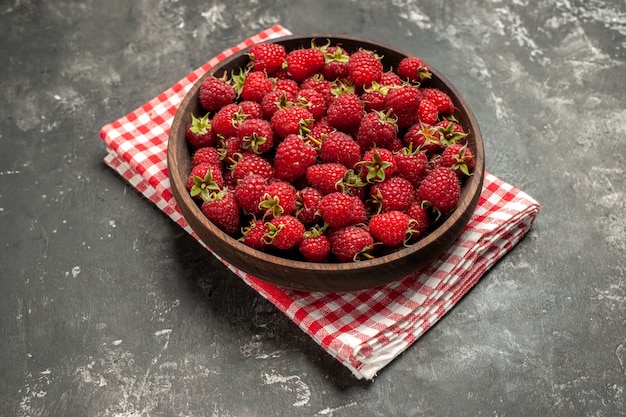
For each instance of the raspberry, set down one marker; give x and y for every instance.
(377, 164)
(411, 165)
(279, 199)
(313, 101)
(376, 129)
(325, 177)
(222, 209)
(200, 132)
(395, 193)
(427, 111)
(252, 235)
(251, 163)
(291, 120)
(315, 247)
(285, 232)
(268, 57)
(275, 100)
(302, 63)
(404, 102)
(364, 68)
(255, 86)
(336, 209)
(440, 190)
(459, 158)
(391, 229)
(256, 135)
(345, 112)
(307, 201)
(293, 157)
(340, 147)
(351, 243)
(442, 101)
(413, 69)
(249, 193)
(207, 154)
(215, 93)
(204, 179)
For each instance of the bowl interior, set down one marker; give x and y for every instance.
(326, 277)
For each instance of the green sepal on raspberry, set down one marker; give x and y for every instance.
(200, 126)
(375, 167)
(204, 187)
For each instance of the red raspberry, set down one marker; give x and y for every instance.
(304, 62)
(279, 199)
(427, 111)
(390, 79)
(200, 132)
(285, 232)
(440, 190)
(256, 135)
(313, 101)
(345, 112)
(376, 129)
(204, 179)
(404, 102)
(351, 243)
(395, 193)
(391, 229)
(293, 157)
(320, 130)
(251, 163)
(444, 103)
(287, 85)
(411, 165)
(413, 69)
(228, 149)
(337, 209)
(360, 213)
(207, 154)
(424, 137)
(373, 99)
(459, 158)
(340, 147)
(222, 209)
(364, 68)
(290, 120)
(268, 57)
(321, 85)
(377, 164)
(275, 100)
(215, 93)
(255, 85)
(307, 200)
(227, 120)
(325, 177)
(251, 109)
(450, 132)
(315, 248)
(336, 63)
(253, 235)
(249, 193)
(419, 217)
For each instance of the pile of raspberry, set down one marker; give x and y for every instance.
(321, 154)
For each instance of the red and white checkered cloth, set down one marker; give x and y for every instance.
(364, 330)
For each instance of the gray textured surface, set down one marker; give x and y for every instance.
(108, 309)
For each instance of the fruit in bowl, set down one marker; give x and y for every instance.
(326, 162)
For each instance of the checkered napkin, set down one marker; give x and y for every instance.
(364, 330)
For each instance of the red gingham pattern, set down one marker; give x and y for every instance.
(364, 330)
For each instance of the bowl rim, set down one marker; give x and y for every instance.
(472, 185)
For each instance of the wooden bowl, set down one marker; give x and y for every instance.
(325, 277)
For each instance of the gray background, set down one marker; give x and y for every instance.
(109, 309)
